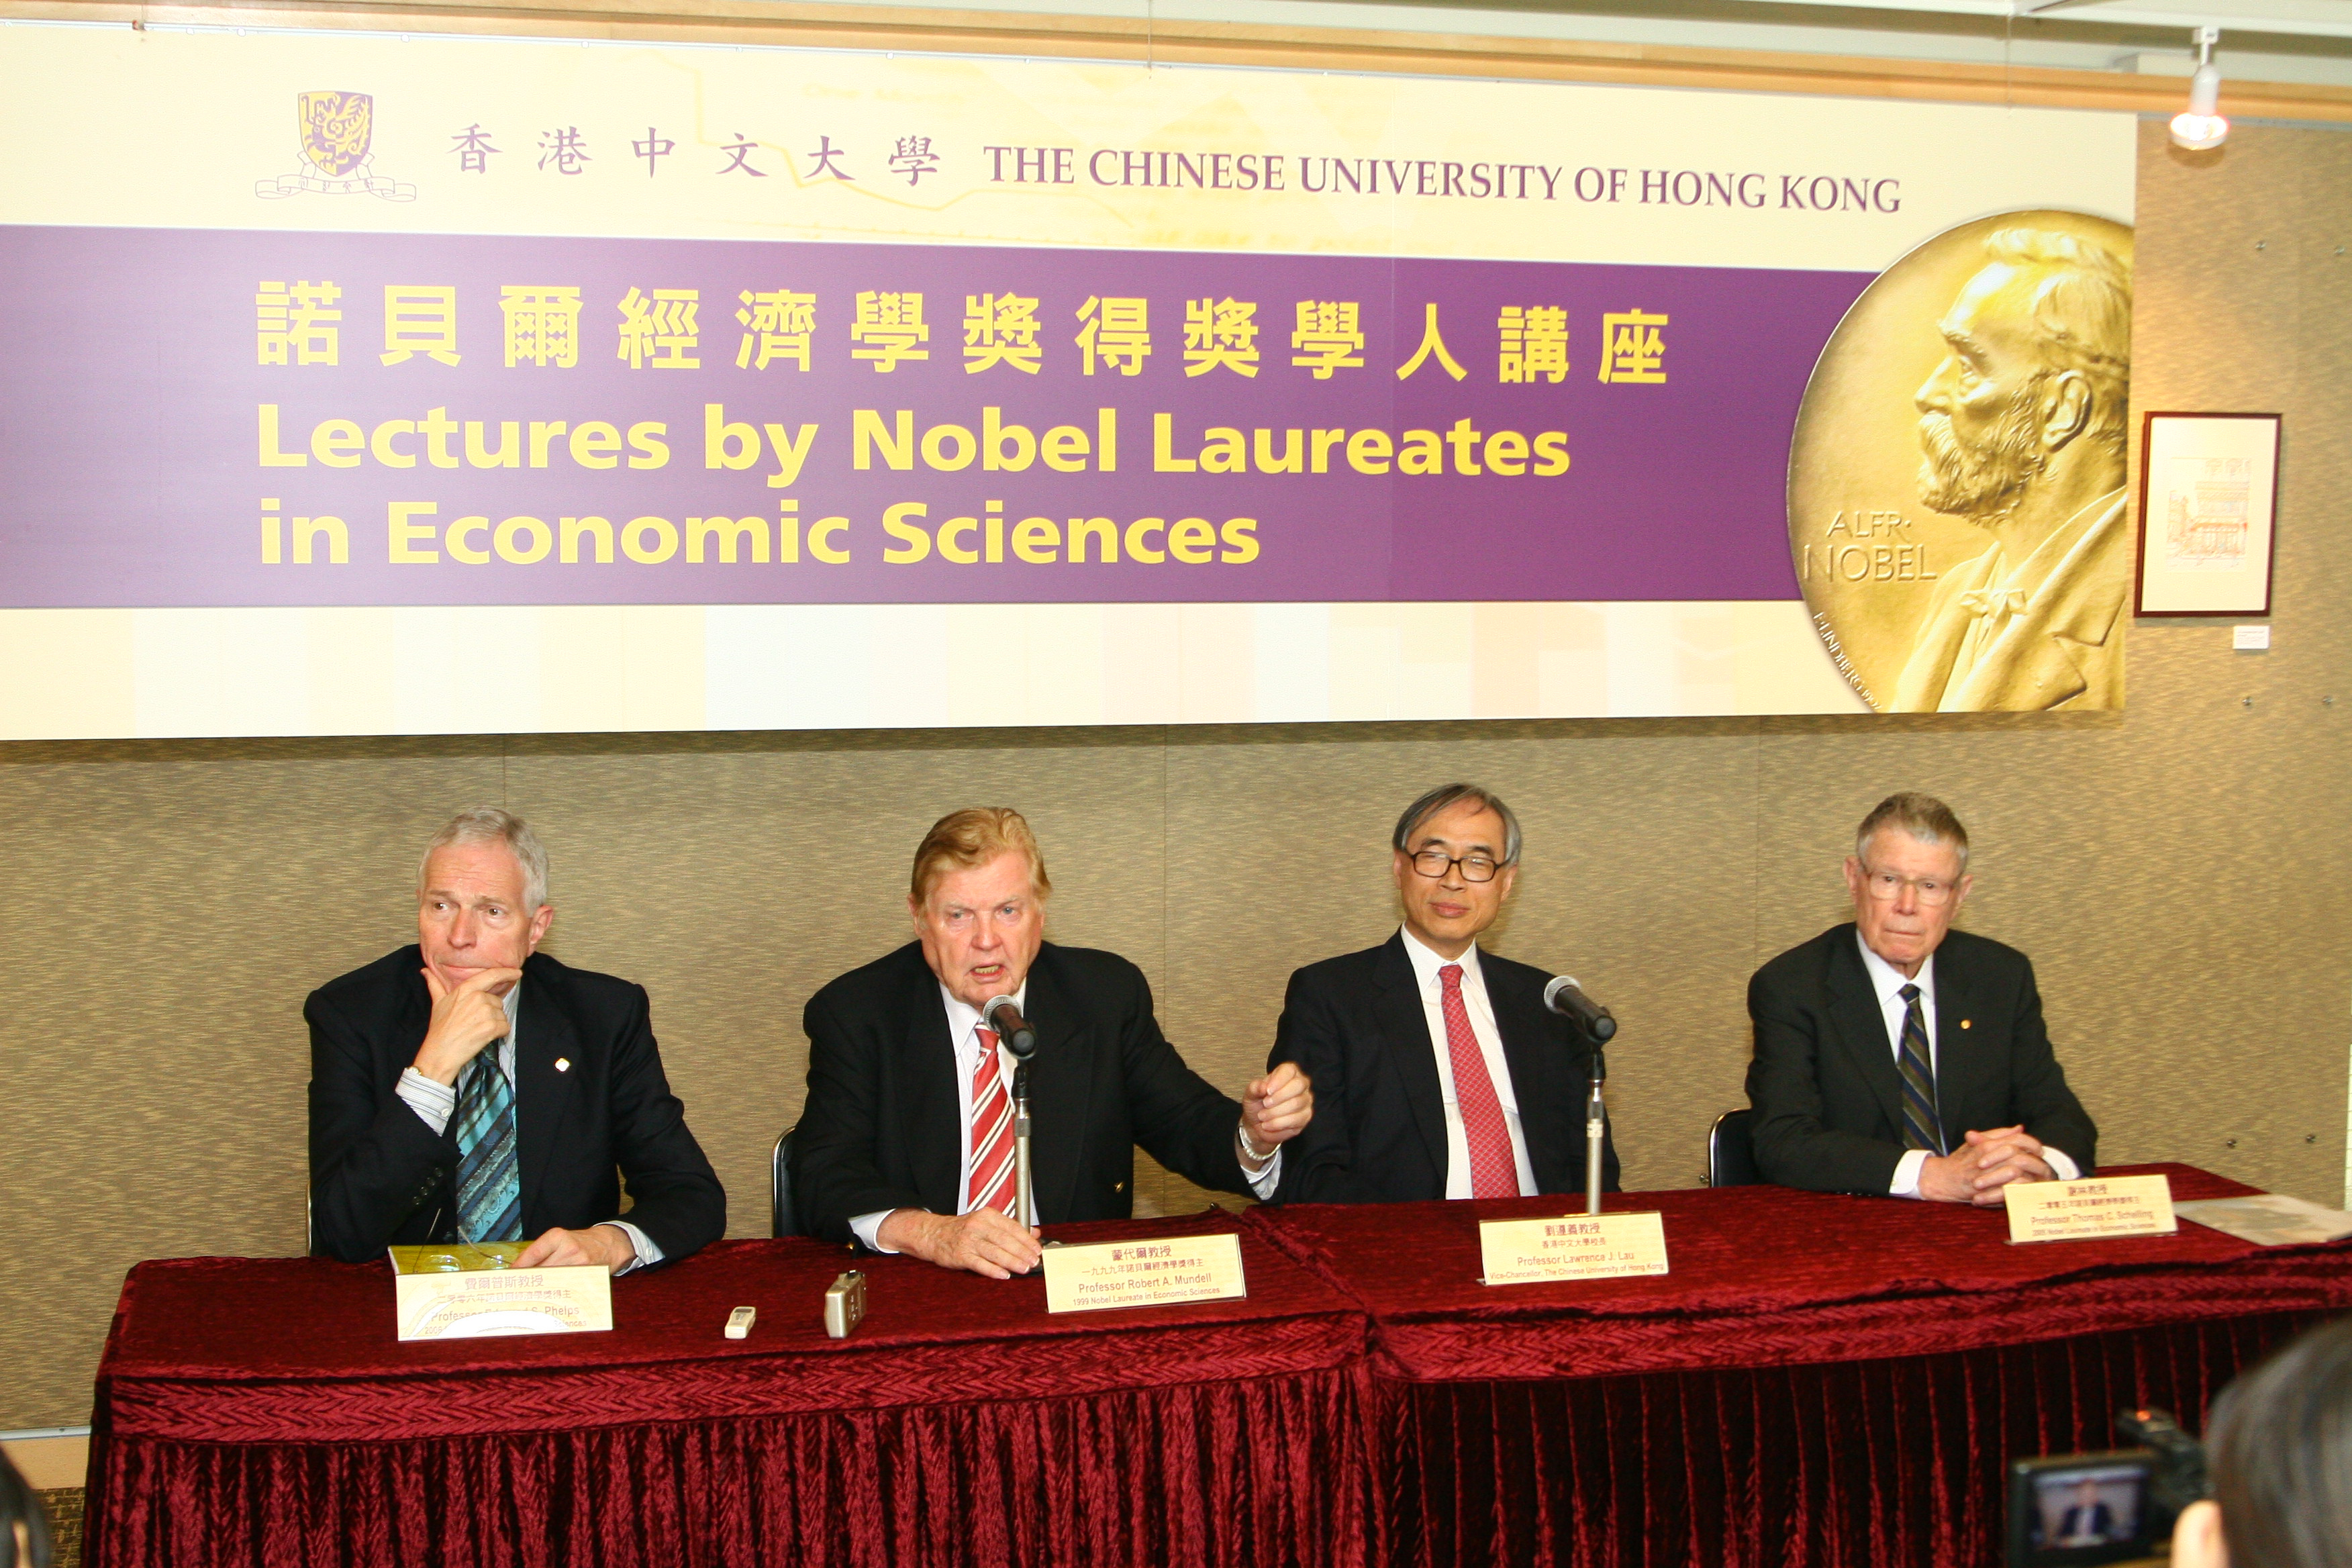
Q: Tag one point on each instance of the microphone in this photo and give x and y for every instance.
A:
(1014, 1030)
(1564, 996)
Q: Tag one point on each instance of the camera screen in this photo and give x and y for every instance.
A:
(2078, 1509)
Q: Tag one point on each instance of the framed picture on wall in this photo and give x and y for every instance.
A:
(2208, 499)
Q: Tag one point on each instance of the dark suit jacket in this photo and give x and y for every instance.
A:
(379, 1175)
(2100, 1522)
(1828, 1097)
(881, 1126)
(1356, 1026)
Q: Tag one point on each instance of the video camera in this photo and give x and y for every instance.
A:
(2080, 1509)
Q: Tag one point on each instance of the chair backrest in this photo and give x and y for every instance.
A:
(781, 1220)
(1731, 1151)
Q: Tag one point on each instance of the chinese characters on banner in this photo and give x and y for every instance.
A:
(659, 329)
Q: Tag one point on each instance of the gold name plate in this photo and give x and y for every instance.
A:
(1143, 1273)
(1578, 1247)
(461, 1293)
(2094, 1206)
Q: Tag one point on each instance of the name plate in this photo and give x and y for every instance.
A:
(1579, 1246)
(2094, 1206)
(1144, 1273)
(472, 1292)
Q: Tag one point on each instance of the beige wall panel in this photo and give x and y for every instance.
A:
(2182, 872)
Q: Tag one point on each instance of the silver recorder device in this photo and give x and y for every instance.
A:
(845, 1304)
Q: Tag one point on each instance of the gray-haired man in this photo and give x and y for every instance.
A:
(471, 1088)
(1438, 1072)
(1895, 1055)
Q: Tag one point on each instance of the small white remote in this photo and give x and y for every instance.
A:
(738, 1323)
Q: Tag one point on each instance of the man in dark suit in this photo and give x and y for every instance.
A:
(471, 1088)
(906, 1142)
(1438, 1071)
(2087, 1521)
(1895, 1055)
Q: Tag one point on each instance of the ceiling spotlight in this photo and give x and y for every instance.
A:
(2198, 128)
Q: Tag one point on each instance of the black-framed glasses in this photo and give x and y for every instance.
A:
(1887, 886)
(1435, 863)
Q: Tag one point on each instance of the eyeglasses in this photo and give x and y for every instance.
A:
(1437, 862)
(1886, 885)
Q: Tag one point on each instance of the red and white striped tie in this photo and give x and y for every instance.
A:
(990, 1187)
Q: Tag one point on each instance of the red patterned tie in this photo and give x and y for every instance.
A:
(990, 1187)
(1493, 1173)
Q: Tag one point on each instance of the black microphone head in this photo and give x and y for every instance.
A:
(1564, 996)
(1020, 1041)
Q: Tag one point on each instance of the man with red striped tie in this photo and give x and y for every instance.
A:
(906, 1141)
(1439, 1071)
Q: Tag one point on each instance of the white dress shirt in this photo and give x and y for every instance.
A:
(1425, 965)
(435, 1103)
(1889, 981)
(963, 1030)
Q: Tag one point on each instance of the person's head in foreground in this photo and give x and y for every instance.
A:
(2278, 1446)
(24, 1523)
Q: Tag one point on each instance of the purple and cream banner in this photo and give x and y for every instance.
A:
(364, 419)
(1213, 395)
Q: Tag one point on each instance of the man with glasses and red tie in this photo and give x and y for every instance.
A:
(1895, 1055)
(906, 1142)
(1438, 1071)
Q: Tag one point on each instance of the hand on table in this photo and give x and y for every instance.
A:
(465, 1019)
(981, 1242)
(1987, 1162)
(559, 1248)
(1277, 1109)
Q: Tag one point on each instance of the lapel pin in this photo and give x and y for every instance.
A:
(563, 1064)
(1964, 1024)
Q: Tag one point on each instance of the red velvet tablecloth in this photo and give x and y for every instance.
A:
(261, 1411)
(1820, 1379)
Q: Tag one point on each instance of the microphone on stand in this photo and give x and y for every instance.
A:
(1564, 996)
(1013, 1030)
(1020, 1043)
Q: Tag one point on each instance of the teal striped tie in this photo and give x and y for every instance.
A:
(489, 1182)
(1922, 1127)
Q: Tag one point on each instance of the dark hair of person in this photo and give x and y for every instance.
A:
(2279, 1445)
(21, 1505)
(1448, 795)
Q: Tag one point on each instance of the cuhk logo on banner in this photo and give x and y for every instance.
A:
(336, 129)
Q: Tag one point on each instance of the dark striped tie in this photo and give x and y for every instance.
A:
(1922, 1128)
(489, 1183)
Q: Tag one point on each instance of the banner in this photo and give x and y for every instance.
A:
(761, 387)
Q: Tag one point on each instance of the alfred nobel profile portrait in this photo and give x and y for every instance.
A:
(2023, 430)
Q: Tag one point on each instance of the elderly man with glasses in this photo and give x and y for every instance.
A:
(1438, 1072)
(1895, 1055)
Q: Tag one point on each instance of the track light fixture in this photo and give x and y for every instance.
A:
(2198, 128)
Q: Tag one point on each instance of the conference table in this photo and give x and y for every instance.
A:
(261, 1411)
(1818, 1380)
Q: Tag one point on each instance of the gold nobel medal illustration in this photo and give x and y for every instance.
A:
(1956, 505)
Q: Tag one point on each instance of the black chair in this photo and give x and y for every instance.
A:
(1731, 1151)
(781, 1220)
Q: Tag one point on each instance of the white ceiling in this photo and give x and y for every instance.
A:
(2273, 41)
